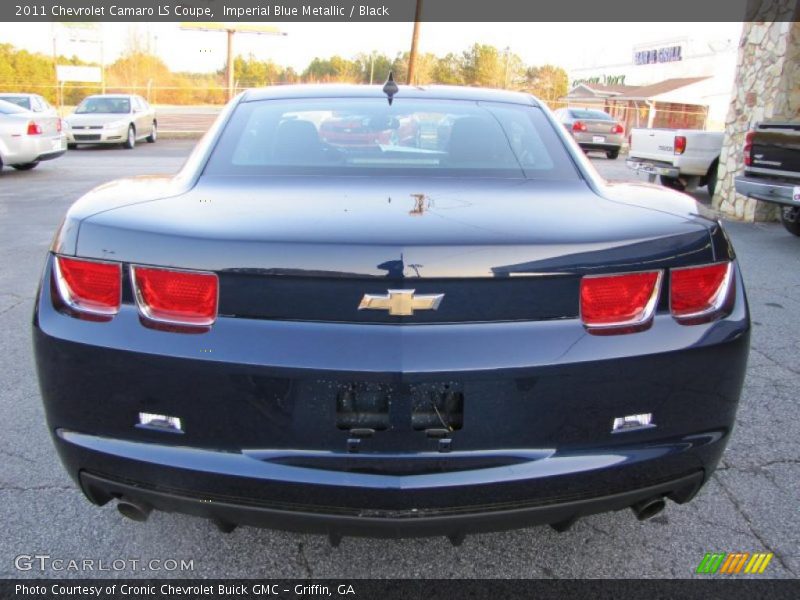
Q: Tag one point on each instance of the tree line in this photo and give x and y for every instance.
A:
(139, 70)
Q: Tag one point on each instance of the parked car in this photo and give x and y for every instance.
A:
(772, 169)
(112, 119)
(398, 342)
(593, 129)
(32, 102)
(684, 159)
(27, 138)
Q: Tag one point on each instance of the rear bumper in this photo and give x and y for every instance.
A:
(413, 524)
(777, 192)
(604, 147)
(37, 148)
(599, 141)
(652, 167)
(258, 404)
(51, 155)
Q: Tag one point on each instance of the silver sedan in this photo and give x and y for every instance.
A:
(593, 130)
(112, 119)
(26, 138)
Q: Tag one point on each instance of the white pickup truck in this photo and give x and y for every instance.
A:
(685, 159)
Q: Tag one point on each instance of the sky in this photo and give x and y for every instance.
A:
(569, 45)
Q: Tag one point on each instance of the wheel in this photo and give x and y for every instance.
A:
(151, 139)
(711, 181)
(130, 142)
(72, 146)
(612, 154)
(26, 166)
(672, 182)
(790, 217)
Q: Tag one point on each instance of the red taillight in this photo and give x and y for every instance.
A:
(617, 129)
(176, 297)
(34, 128)
(748, 148)
(89, 286)
(698, 293)
(679, 144)
(579, 126)
(619, 303)
(59, 126)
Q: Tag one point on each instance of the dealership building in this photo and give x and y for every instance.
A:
(676, 82)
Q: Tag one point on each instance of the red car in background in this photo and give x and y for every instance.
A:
(370, 130)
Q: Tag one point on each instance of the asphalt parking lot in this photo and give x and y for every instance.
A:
(751, 505)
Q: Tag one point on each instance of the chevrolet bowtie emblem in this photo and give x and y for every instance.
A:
(400, 303)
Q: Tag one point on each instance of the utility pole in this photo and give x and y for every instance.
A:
(371, 66)
(412, 57)
(508, 58)
(229, 66)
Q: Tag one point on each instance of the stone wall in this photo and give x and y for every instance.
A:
(767, 87)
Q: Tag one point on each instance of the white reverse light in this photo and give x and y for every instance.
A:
(160, 422)
(633, 422)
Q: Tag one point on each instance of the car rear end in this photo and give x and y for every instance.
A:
(772, 164)
(276, 360)
(595, 130)
(30, 137)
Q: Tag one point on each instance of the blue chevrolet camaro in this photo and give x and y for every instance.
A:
(396, 312)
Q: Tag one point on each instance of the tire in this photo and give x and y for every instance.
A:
(672, 182)
(790, 217)
(612, 154)
(72, 146)
(26, 166)
(151, 139)
(711, 179)
(130, 143)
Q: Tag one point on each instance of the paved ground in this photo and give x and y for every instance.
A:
(751, 504)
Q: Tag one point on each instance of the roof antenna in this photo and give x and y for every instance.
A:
(390, 88)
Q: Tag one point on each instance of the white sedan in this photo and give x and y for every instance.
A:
(26, 138)
(112, 119)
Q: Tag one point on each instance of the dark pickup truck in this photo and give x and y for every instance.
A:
(772, 169)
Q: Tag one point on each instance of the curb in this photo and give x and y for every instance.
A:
(180, 134)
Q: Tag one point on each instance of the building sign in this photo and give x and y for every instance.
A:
(658, 55)
(601, 80)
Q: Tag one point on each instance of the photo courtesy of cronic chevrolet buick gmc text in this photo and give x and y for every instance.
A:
(446, 324)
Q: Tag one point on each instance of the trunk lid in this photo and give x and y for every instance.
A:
(598, 125)
(309, 249)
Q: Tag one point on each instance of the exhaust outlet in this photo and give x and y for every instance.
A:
(134, 510)
(647, 509)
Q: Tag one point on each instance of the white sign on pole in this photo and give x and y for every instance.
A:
(79, 74)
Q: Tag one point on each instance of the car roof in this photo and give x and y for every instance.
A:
(439, 92)
(111, 96)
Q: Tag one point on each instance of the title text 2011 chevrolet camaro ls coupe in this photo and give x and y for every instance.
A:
(413, 336)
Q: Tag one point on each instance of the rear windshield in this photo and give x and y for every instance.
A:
(367, 136)
(590, 114)
(21, 101)
(7, 108)
(104, 105)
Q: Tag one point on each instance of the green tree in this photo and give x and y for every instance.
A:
(547, 82)
(334, 68)
(448, 70)
(378, 65)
